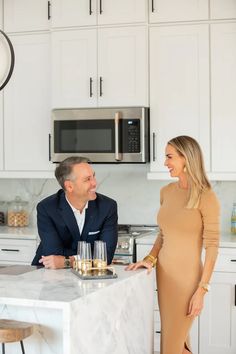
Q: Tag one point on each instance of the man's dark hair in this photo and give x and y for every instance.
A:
(63, 171)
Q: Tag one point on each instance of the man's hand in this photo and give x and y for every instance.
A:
(52, 262)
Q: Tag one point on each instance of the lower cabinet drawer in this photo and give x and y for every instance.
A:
(17, 251)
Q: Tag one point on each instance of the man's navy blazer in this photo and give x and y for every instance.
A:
(59, 232)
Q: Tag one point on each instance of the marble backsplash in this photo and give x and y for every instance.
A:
(137, 197)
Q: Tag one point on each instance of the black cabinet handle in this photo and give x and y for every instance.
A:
(90, 87)
(90, 7)
(9, 250)
(153, 9)
(49, 147)
(159, 332)
(233, 260)
(100, 5)
(153, 146)
(100, 86)
(49, 10)
(235, 295)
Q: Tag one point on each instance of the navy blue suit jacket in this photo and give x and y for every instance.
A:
(59, 232)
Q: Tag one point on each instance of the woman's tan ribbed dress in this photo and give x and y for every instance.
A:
(183, 233)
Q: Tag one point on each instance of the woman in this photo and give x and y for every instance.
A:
(188, 219)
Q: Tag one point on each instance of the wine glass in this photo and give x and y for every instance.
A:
(79, 255)
(86, 257)
(100, 254)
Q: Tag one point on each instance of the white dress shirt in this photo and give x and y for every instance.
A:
(80, 217)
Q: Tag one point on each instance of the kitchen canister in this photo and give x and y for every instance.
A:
(18, 214)
(233, 220)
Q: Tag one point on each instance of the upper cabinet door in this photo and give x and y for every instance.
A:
(67, 13)
(74, 68)
(27, 105)
(181, 10)
(122, 66)
(223, 96)
(179, 88)
(26, 15)
(222, 9)
(122, 11)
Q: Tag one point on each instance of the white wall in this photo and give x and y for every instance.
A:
(137, 197)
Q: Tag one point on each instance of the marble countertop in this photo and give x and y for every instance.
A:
(54, 288)
(226, 240)
(26, 233)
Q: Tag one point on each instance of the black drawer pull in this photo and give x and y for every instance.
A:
(233, 260)
(158, 332)
(235, 295)
(153, 9)
(9, 250)
(49, 10)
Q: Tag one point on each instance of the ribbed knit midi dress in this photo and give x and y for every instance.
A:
(183, 234)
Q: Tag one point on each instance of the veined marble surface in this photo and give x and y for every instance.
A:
(74, 316)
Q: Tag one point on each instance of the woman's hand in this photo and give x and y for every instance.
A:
(196, 303)
(140, 264)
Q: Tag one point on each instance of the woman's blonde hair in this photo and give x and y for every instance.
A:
(194, 166)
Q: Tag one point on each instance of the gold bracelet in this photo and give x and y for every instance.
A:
(204, 286)
(152, 259)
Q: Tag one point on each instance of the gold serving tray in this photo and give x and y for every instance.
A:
(96, 273)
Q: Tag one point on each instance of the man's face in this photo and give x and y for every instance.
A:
(83, 183)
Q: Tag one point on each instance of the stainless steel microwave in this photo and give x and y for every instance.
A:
(103, 135)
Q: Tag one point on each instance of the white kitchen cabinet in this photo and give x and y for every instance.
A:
(142, 251)
(179, 88)
(181, 10)
(17, 251)
(118, 76)
(26, 15)
(27, 105)
(67, 13)
(74, 68)
(123, 66)
(218, 319)
(222, 9)
(223, 96)
(122, 11)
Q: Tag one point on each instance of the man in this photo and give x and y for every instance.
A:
(75, 213)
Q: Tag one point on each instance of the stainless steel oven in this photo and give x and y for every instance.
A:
(103, 135)
(126, 246)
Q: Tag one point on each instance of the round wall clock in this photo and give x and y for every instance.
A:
(7, 60)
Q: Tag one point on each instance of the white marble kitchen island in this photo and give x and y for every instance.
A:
(113, 316)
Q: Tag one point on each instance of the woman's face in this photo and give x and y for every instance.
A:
(174, 162)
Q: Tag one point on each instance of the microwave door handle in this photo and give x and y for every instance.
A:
(117, 148)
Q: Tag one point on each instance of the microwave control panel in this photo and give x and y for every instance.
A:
(131, 136)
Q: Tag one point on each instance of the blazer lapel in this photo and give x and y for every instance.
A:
(91, 212)
(69, 218)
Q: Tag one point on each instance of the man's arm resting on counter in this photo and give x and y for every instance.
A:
(53, 251)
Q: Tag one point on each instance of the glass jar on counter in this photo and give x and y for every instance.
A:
(233, 220)
(3, 212)
(18, 214)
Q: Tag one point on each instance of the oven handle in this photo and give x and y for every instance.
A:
(117, 147)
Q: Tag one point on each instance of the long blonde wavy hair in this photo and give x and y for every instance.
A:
(194, 166)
